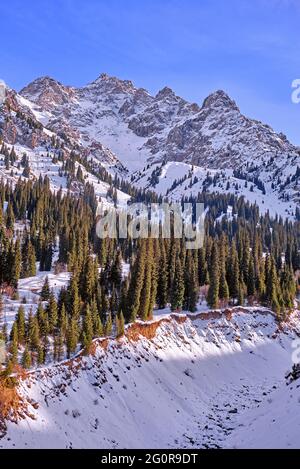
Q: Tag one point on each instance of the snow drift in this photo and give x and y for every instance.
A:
(199, 381)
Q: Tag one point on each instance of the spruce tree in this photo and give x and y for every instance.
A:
(45, 293)
(272, 285)
(89, 280)
(40, 356)
(114, 300)
(60, 347)
(72, 337)
(17, 264)
(177, 293)
(202, 268)
(136, 284)
(120, 324)
(14, 343)
(241, 293)
(97, 324)
(154, 278)
(10, 217)
(52, 313)
(63, 321)
(34, 334)
(87, 330)
(288, 287)
(124, 296)
(21, 325)
(214, 276)
(233, 273)
(116, 270)
(145, 297)
(26, 358)
(162, 281)
(75, 299)
(191, 284)
(251, 278)
(31, 270)
(42, 320)
(223, 285)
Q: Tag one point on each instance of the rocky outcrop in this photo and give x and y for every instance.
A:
(126, 119)
(125, 127)
(48, 93)
(19, 125)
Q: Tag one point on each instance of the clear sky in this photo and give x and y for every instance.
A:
(249, 48)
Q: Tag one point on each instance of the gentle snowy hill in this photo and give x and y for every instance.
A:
(197, 381)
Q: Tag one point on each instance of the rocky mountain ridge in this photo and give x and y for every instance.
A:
(138, 135)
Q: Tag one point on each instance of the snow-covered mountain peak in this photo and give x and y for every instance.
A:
(48, 93)
(110, 84)
(166, 92)
(220, 100)
(42, 81)
(120, 124)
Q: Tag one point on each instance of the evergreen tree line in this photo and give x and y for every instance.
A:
(248, 257)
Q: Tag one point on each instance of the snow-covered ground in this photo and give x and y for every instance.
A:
(196, 382)
(29, 290)
(40, 163)
(275, 423)
(186, 175)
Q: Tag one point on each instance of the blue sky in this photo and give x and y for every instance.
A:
(249, 48)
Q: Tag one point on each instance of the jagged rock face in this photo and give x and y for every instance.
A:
(139, 128)
(18, 124)
(219, 101)
(48, 93)
(160, 113)
(132, 132)
(219, 136)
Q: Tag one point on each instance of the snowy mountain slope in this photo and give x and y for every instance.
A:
(26, 123)
(176, 180)
(111, 112)
(41, 164)
(162, 142)
(48, 94)
(277, 419)
(19, 123)
(162, 127)
(143, 131)
(181, 382)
